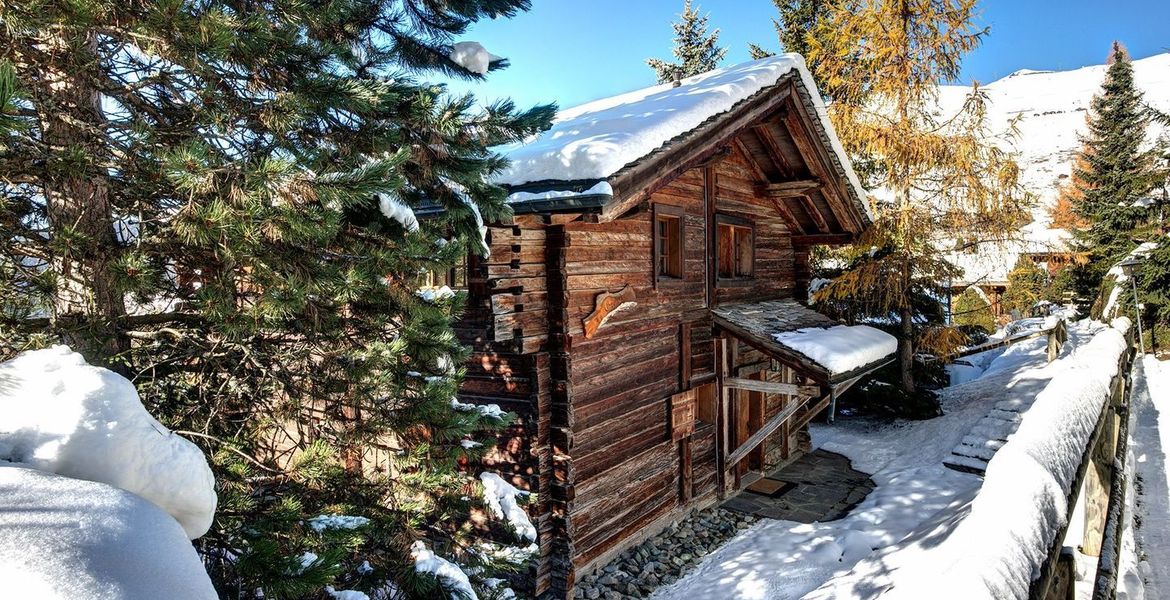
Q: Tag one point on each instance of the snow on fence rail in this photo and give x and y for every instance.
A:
(1007, 545)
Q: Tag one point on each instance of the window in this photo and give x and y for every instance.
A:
(668, 242)
(736, 256)
(455, 278)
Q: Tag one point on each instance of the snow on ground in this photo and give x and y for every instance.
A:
(1150, 442)
(842, 348)
(916, 505)
(61, 415)
(69, 539)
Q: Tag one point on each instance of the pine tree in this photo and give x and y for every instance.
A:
(1064, 212)
(214, 199)
(697, 50)
(1114, 171)
(1027, 285)
(941, 179)
(798, 20)
(972, 309)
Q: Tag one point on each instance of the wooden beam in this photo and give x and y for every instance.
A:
(790, 220)
(770, 387)
(790, 189)
(819, 165)
(756, 438)
(771, 147)
(823, 238)
(806, 203)
(755, 166)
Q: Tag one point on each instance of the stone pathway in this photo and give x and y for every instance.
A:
(824, 487)
(664, 558)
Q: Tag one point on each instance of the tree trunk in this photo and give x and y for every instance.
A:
(86, 301)
(906, 349)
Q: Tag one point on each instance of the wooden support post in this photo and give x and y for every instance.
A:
(1098, 480)
(758, 437)
(720, 414)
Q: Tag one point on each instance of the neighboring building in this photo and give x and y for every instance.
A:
(639, 311)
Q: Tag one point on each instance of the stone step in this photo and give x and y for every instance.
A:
(981, 442)
(994, 429)
(974, 452)
(966, 464)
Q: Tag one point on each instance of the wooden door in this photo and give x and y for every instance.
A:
(748, 412)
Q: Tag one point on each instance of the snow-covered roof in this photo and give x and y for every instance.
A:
(786, 327)
(593, 142)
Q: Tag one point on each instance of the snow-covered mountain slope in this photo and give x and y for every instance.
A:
(1050, 109)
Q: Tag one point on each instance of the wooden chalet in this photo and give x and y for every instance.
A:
(628, 313)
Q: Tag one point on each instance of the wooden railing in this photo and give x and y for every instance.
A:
(1057, 335)
(1105, 583)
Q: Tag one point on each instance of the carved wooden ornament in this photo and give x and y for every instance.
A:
(606, 305)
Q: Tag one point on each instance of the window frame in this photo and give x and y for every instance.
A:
(722, 220)
(677, 214)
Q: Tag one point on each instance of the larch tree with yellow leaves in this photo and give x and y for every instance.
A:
(938, 181)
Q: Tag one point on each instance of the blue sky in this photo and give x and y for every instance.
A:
(572, 51)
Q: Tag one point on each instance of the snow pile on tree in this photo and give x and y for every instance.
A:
(61, 415)
(69, 539)
(501, 499)
(472, 56)
(453, 579)
(997, 550)
(842, 348)
(72, 435)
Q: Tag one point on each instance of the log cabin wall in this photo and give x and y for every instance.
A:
(629, 476)
(506, 324)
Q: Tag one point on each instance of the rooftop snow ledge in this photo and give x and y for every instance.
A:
(594, 141)
(842, 348)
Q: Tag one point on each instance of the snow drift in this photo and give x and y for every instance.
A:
(997, 550)
(68, 539)
(61, 415)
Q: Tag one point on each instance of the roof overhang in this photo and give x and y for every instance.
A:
(789, 100)
(758, 323)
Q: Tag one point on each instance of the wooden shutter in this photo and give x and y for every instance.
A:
(682, 415)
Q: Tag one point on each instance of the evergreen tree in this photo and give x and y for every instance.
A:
(941, 179)
(1114, 171)
(1027, 285)
(214, 199)
(798, 20)
(971, 309)
(697, 50)
(1154, 294)
(1064, 212)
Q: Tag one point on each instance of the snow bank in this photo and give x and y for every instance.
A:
(595, 140)
(450, 576)
(61, 415)
(842, 348)
(68, 539)
(501, 499)
(998, 548)
(472, 56)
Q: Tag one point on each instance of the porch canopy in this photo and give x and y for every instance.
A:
(818, 347)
